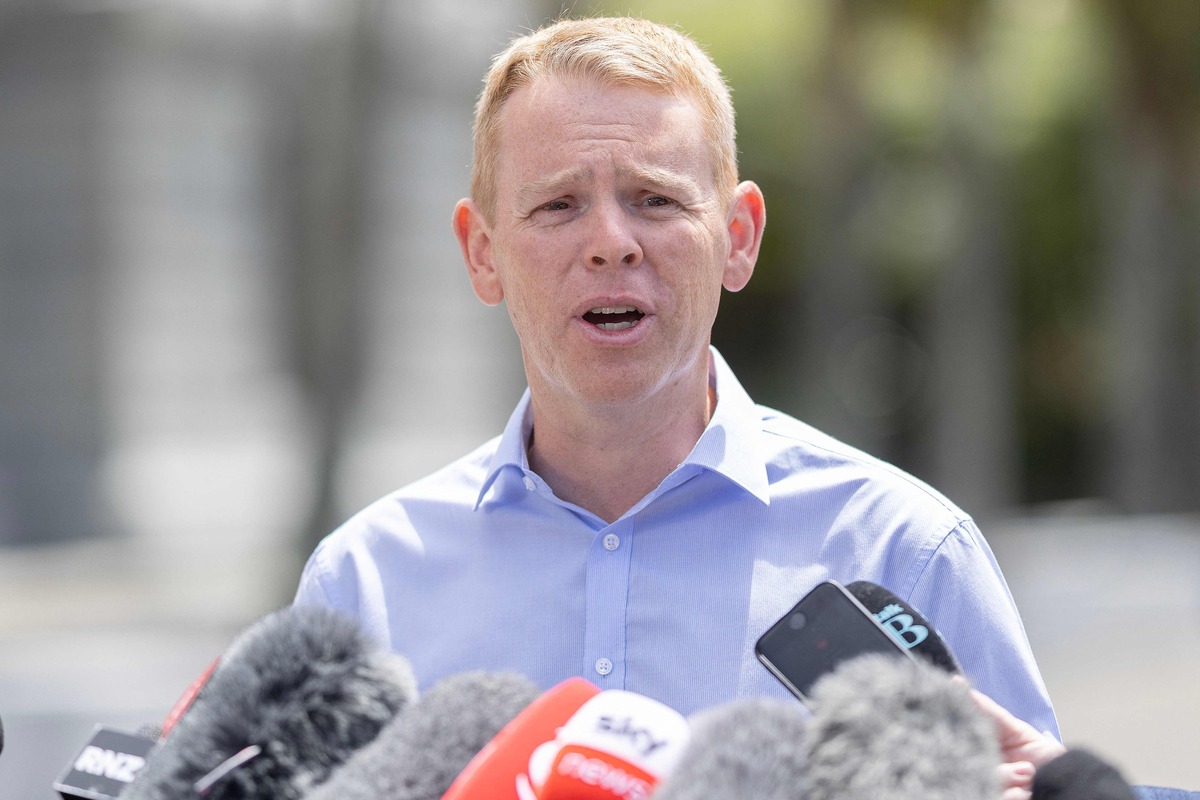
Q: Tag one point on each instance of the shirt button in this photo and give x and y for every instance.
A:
(529, 484)
(604, 666)
(612, 542)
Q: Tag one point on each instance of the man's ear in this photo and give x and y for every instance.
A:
(747, 217)
(475, 240)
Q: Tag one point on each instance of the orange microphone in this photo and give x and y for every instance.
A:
(617, 746)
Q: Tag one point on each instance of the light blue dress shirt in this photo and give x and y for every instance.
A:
(480, 566)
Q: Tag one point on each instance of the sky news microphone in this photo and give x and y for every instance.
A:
(906, 623)
(420, 752)
(295, 695)
(500, 771)
(894, 729)
(751, 749)
(617, 746)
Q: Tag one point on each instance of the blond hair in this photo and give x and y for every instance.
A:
(616, 51)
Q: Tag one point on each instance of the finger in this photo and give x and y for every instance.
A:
(1016, 774)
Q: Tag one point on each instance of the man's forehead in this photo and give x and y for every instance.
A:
(583, 85)
(587, 109)
(582, 98)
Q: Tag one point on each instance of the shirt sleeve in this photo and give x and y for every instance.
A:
(312, 590)
(963, 593)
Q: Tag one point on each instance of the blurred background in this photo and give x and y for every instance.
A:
(232, 312)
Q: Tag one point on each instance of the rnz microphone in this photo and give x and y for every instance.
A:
(617, 746)
(905, 623)
(500, 771)
(108, 763)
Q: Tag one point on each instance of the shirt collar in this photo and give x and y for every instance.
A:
(511, 450)
(729, 445)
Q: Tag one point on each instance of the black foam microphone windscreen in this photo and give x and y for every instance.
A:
(906, 623)
(420, 753)
(894, 729)
(1080, 775)
(742, 749)
(296, 694)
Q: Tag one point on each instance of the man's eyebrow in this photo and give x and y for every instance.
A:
(670, 181)
(535, 190)
(673, 182)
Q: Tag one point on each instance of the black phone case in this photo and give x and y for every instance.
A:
(828, 626)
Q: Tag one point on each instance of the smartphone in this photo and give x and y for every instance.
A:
(828, 626)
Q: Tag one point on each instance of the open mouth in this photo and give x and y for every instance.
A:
(613, 318)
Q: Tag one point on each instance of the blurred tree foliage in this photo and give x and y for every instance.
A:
(982, 219)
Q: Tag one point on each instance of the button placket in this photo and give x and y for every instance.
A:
(608, 565)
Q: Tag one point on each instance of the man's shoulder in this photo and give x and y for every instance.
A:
(795, 451)
(454, 488)
(456, 482)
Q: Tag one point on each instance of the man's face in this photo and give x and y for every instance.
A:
(609, 241)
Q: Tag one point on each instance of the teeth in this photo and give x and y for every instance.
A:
(614, 310)
(614, 326)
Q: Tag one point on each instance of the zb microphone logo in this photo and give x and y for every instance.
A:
(902, 626)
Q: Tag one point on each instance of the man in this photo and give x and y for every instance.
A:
(641, 521)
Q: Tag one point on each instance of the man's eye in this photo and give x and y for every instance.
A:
(555, 205)
(657, 201)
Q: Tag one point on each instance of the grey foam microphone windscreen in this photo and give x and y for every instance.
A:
(743, 749)
(420, 753)
(303, 687)
(895, 729)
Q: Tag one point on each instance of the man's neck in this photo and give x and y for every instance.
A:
(608, 460)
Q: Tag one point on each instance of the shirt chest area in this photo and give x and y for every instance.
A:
(669, 612)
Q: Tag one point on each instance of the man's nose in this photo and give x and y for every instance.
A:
(612, 241)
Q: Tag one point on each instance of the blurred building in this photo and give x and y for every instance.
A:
(231, 310)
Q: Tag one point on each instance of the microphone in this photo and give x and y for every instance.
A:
(1080, 775)
(187, 699)
(751, 748)
(420, 752)
(296, 694)
(106, 765)
(893, 729)
(907, 624)
(500, 771)
(617, 746)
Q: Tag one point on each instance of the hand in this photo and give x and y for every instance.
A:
(1022, 747)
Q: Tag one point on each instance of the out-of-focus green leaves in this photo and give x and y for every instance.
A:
(905, 69)
(1045, 63)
